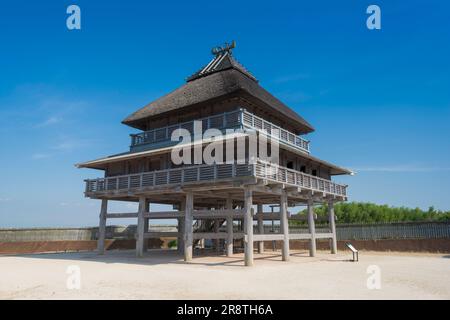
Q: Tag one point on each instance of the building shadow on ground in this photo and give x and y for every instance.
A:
(163, 256)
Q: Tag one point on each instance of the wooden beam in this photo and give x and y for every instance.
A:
(181, 222)
(168, 234)
(140, 228)
(268, 237)
(122, 215)
(260, 219)
(299, 236)
(164, 214)
(229, 206)
(248, 227)
(214, 214)
(327, 235)
(312, 228)
(146, 224)
(217, 224)
(188, 227)
(332, 222)
(284, 225)
(238, 235)
(102, 227)
(210, 235)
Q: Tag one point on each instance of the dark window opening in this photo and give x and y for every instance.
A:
(303, 168)
(290, 165)
(314, 172)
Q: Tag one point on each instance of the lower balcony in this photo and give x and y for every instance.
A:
(260, 173)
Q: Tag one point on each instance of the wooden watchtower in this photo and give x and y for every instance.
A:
(210, 197)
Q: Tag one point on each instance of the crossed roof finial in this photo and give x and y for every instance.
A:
(226, 48)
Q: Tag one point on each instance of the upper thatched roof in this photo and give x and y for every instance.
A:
(222, 61)
(222, 77)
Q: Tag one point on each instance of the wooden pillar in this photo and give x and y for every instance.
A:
(146, 225)
(140, 228)
(260, 227)
(284, 224)
(312, 228)
(229, 206)
(102, 227)
(216, 230)
(188, 227)
(332, 222)
(180, 239)
(248, 227)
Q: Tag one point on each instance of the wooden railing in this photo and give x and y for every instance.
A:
(227, 120)
(273, 172)
(255, 122)
(178, 176)
(235, 119)
(212, 173)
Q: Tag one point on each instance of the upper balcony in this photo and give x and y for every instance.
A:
(240, 118)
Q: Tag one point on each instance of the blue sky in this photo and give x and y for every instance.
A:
(379, 100)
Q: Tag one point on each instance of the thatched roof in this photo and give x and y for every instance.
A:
(223, 77)
(220, 62)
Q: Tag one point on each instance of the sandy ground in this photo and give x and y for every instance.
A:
(164, 275)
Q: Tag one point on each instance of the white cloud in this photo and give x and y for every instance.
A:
(39, 156)
(5, 199)
(50, 121)
(70, 144)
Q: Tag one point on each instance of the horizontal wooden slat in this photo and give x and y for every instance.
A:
(218, 213)
(122, 215)
(324, 235)
(299, 236)
(210, 235)
(148, 235)
(164, 214)
(267, 237)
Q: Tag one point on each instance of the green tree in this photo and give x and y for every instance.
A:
(365, 212)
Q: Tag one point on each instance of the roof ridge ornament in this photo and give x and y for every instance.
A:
(227, 47)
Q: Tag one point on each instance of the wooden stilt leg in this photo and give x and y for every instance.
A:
(260, 227)
(216, 230)
(181, 221)
(102, 227)
(146, 225)
(284, 225)
(312, 228)
(332, 222)
(188, 227)
(248, 227)
(229, 229)
(140, 228)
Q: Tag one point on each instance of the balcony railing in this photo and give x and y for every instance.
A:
(273, 172)
(229, 120)
(255, 122)
(212, 173)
